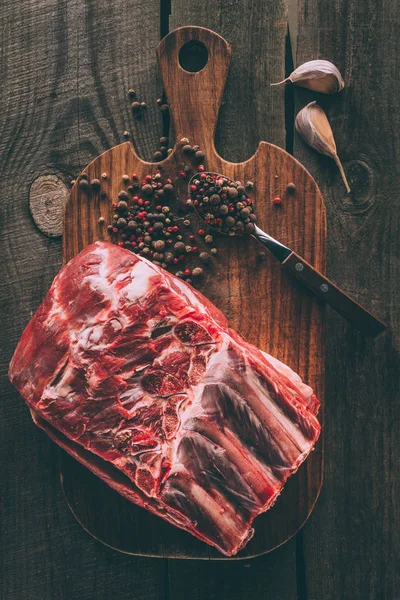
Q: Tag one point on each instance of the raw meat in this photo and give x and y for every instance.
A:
(126, 365)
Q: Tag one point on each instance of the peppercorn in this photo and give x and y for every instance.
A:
(179, 237)
(163, 150)
(110, 228)
(249, 185)
(214, 251)
(165, 209)
(291, 188)
(240, 225)
(84, 184)
(158, 155)
(229, 221)
(159, 101)
(123, 195)
(209, 239)
(232, 192)
(95, 183)
(132, 225)
(164, 108)
(146, 250)
(126, 134)
(189, 203)
(245, 212)
(104, 175)
(179, 247)
(163, 141)
(158, 226)
(101, 220)
(122, 206)
(168, 257)
(184, 141)
(136, 107)
(159, 245)
(215, 199)
(169, 151)
(125, 178)
(147, 189)
(196, 148)
(197, 272)
(147, 240)
(143, 105)
(180, 274)
(132, 93)
(188, 272)
(121, 223)
(199, 155)
(187, 149)
(188, 248)
(223, 209)
(186, 222)
(201, 232)
(249, 228)
(168, 188)
(277, 200)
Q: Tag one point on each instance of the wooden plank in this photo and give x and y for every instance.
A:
(351, 543)
(65, 70)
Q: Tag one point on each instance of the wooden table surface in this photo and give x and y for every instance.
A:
(66, 66)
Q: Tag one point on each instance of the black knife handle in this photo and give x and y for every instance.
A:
(333, 295)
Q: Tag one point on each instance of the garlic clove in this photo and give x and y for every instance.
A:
(318, 75)
(313, 126)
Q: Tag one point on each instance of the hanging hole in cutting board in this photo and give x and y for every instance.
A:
(193, 56)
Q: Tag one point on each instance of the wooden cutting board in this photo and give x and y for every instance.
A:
(265, 305)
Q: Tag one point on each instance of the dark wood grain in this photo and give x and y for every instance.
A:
(56, 116)
(65, 69)
(351, 545)
(242, 287)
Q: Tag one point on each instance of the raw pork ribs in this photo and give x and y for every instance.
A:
(130, 363)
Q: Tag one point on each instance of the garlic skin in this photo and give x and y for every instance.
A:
(319, 75)
(313, 126)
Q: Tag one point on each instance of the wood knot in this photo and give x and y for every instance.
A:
(47, 197)
(362, 183)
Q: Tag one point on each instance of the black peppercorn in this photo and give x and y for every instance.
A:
(215, 199)
(249, 227)
(168, 188)
(163, 141)
(158, 226)
(147, 189)
(204, 257)
(121, 223)
(164, 108)
(158, 155)
(200, 155)
(95, 183)
(132, 225)
(122, 206)
(159, 245)
(187, 149)
(291, 188)
(143, 105)
(132, 93)
(179, 247)
(180, 274)
(84, 184)
(136, 107)
(110, 228)
(123, 195)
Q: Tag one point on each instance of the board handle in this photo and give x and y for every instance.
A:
(194, 63)
(325, 289)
